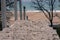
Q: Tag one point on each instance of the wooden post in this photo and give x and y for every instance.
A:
(15, 8)
(20, 5)
(24, 14)
(3, 11)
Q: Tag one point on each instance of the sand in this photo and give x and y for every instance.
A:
(34, 16)
(35, 28)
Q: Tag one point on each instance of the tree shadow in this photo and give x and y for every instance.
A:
(0, 26)
(57, 28)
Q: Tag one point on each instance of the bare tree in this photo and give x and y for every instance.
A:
(46, 6)
(20, 5)
(24, 9)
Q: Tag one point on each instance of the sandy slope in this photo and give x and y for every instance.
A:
(36, 28)
(36, 16)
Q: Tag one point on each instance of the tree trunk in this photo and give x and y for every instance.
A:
(20, 5)
(15, 10)
(24, 9)
(51, 23)
(0, 25)
(3, 12)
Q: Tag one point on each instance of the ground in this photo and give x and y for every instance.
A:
(35, 28)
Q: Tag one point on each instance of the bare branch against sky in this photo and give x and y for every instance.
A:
(42, 4)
